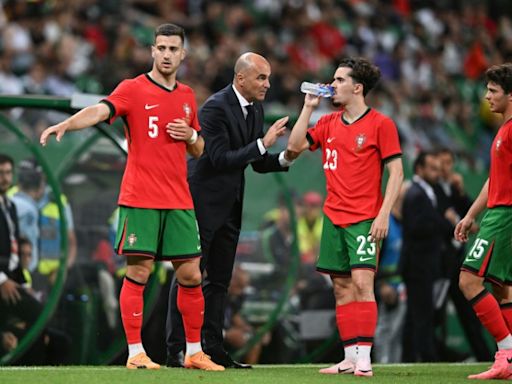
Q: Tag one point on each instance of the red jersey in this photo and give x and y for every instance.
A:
(500, 174)
(156, 169)
(353, 156)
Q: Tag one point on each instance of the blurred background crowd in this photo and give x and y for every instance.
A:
(432, 56)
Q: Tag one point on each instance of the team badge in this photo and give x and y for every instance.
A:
(132, 239)
(360, 140)
(188, 111)
(498, 144)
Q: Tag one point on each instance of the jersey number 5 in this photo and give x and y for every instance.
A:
(152, 126)
(331, 159)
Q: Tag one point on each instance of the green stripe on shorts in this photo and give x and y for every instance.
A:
(490, 254)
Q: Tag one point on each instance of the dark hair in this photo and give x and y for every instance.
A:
(23, 241)
(445, 150)
(420, 160)
(30, 175)
(6, 159)
(169, 29)
(501, 75)
(363, 72)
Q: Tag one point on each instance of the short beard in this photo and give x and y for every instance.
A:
(165, 72)
(336, 104)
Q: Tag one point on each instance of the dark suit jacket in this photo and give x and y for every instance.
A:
(452, 257)
(217, 178)
(424, 230)
(5, 244)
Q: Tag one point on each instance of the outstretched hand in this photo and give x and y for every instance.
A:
(58, 130)
(276, 130)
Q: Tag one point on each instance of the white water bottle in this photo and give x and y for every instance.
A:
(317, 89)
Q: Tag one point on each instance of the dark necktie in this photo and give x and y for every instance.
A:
(250, 119)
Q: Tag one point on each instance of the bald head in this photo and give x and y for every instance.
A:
(249, 60)
(252, 72)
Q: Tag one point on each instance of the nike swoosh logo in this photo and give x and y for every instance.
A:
(365, 258)
(137, 314)
(343, 370)
(330, 140)
(147, 106)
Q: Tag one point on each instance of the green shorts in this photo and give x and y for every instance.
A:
(490, 255)
(344, 249)
(163, 234)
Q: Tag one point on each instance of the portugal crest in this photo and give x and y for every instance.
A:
(188, 112)
(360, 141)
(498, 144)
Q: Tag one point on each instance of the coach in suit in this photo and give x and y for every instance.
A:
(424, 229)
(450, 193)
(232, 127)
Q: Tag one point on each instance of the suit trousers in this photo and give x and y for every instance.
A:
(218, 257)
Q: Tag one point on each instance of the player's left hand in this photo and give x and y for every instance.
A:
(179, 130)
(379, 228)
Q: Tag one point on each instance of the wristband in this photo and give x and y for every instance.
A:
(193, 139)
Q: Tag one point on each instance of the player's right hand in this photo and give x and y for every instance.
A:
(462, 229)
(58, 130)
(276, 130)
(311, 100)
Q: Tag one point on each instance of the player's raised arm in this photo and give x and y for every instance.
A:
(297, 143)
(87, 117)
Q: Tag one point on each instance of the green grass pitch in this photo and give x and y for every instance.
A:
(262, 374)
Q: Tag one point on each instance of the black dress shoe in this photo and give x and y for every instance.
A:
(175, 360)
(222, 358)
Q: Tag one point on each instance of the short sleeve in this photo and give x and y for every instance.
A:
(119, 100)
(194, 123)
(315, 135)
(389, 142)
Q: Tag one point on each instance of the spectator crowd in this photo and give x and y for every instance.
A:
(431, 54)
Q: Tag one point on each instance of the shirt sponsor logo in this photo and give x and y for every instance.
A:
(148, 106)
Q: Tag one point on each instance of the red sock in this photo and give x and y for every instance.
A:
(488, 311)
(131, 303)
(367, 319)
(347, 326)
(506, 312)
(191, 306)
